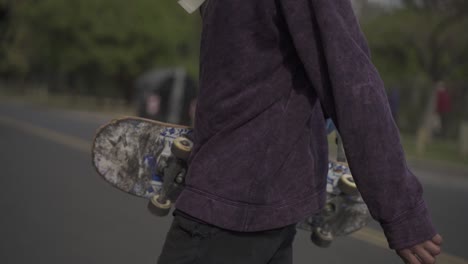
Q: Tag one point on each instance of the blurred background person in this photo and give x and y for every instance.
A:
(443, 108)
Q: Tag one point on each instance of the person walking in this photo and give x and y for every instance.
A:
(270, 74)
(443, 108)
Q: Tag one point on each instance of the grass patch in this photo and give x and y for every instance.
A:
(438, 150)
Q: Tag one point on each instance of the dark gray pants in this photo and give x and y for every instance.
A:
(193, 242)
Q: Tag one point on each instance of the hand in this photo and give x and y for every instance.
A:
(424, 253)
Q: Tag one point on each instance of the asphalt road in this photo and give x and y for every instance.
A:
(54, 208)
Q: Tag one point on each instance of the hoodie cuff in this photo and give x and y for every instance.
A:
(410, 229)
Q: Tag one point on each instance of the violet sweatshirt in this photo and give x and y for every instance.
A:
(269, 72)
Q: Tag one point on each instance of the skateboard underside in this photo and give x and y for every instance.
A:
(352, 215)
(344, 212)
(126, 153)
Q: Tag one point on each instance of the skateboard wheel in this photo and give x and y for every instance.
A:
(158, 208)
(321, 238)
(329, 209)
(182, 147)
(180, 178)
(347, 185)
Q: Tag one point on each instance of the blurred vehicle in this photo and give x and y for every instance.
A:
(167, 95)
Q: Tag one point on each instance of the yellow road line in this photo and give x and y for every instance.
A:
(57, 137)
(371, 236)
(368, 235)
(378, 239)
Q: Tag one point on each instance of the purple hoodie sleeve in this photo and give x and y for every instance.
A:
(336, 57)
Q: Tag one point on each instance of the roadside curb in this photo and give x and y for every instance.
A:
(90, 115)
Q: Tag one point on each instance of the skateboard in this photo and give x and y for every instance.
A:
(148, 159)
(144, 158)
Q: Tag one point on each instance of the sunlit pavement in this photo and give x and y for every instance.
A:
(55, 208)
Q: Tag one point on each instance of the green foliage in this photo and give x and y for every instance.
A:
(90, 38)
(113, 35)
(416, 47)
(427, 44)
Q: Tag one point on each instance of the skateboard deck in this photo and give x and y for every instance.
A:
(136, 155)
(147, 159)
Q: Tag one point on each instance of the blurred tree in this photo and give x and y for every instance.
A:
(407, 42)
(83, 42)
(5, 11)
(425, 41)
(12, 58)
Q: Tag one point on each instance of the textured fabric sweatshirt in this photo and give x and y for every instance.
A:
(270, 70)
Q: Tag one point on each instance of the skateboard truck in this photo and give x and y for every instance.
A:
(322, 235)
(174, 170)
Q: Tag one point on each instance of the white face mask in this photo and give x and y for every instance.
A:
(191, 5)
